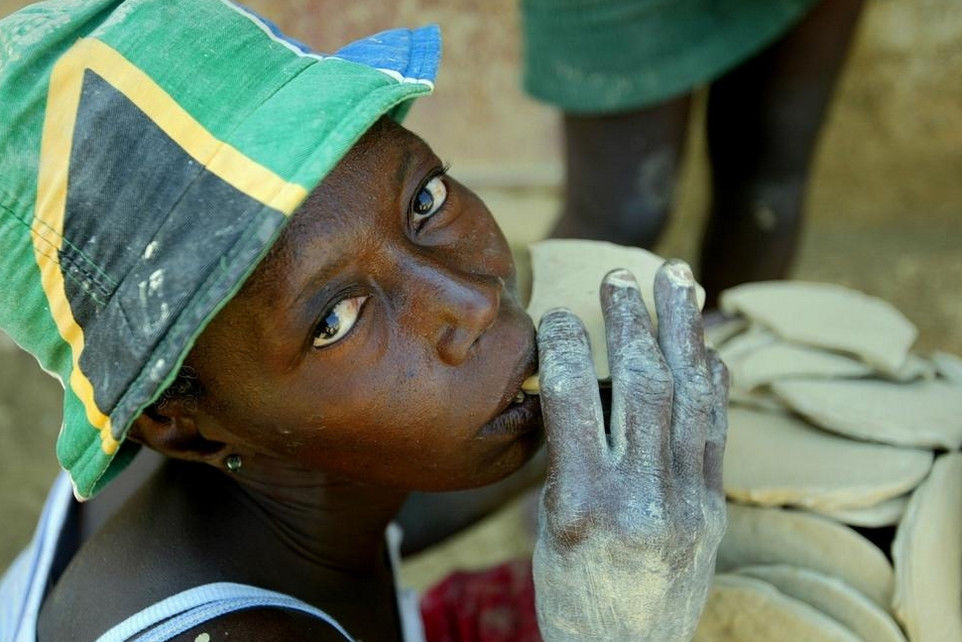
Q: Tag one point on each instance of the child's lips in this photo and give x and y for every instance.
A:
(516, 419)
(517, 411)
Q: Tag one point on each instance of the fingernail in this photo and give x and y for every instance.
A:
(680, 273)
(557, 317)
(621, 277)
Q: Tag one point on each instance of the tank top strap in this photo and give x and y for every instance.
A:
(24, 585)
(195, 606)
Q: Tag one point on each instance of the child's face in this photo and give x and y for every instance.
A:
(378, 339)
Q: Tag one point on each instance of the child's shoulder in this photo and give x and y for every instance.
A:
(144, 555)
(123, 568)
(137, 544)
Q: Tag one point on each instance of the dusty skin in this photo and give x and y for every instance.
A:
(630, 521)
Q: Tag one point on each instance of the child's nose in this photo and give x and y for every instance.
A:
(465, 306)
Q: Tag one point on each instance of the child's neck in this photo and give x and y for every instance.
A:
(328, 523)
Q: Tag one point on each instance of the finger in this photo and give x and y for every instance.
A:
(681, 337)
(570, 402)
(640, 378)
(718, 426)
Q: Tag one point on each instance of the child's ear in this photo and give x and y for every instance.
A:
(171, 429)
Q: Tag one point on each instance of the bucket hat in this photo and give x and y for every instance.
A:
(151, 151)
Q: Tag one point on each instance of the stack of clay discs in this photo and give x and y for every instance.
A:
(842, 470)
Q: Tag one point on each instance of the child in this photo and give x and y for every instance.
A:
(231, 253)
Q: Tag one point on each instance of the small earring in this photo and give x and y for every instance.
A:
(233, 462)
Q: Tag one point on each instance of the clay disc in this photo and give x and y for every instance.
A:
(782, 360)
(928, 556)
(779, 536)
(831, 596)
(822, 470)
(757, 399)
(827, 316)
(718, 333)
(743, 609)
(948, 366)
(914, 367)
(741, 345)
(568, 273)
(887, 513)
(926, 414)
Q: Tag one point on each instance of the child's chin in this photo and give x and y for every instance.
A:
(518, 452)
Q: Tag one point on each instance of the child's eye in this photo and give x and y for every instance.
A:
(338, 321)
(429, 200)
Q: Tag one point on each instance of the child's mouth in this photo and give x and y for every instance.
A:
(521, 416)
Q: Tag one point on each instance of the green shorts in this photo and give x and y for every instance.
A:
(600, 56)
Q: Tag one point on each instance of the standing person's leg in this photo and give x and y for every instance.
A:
(763, 121)
(620, 172)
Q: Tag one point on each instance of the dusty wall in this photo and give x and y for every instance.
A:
(892, 147)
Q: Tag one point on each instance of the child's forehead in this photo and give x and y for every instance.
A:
(385, 143)
(375, 169)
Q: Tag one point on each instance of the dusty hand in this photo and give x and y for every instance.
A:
(630, 518)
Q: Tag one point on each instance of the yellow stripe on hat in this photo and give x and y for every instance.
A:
(218, 157)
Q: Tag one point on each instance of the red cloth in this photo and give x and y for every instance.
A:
(496, 605)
